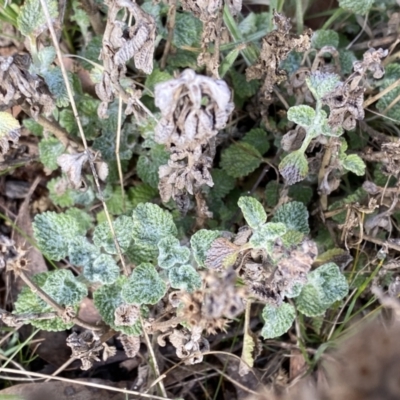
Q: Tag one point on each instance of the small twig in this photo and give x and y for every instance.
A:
(117, 148)
(153, 359)
(170, 27)
(326, 159)
(381, 42)
(372, 99)
(381, 242)
(82, 134)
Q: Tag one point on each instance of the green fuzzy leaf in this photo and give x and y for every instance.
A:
(182, 59)
(148, 165)
(346, 58)
(322, 83)
(141, 193)
(33, 126)
(301, 115)
(157, 76)
(356, 6)
(355, 164)
(278, 320)
(301, 192)
(201, 242)
(184, 278)
(81, 252)
(171, 252)
(253, 211)
(81, 18)
(102, 269)
(325, 286)
(241, 87)
(56, 84)
(392, 73)
(323, 37)
(272, 191)
(63, 287)
(292, 238)
(294, 290)
(49, 150)
(53, 233)
(31, 19)
(294, 215)
(92, 52)
(144, 286)
(83, 218)
(107, 299)
(223, 183)
(187, 30)
(123, 228)
(267, 234)
(138, 254)
(151, 224)
(240, 159)
(45, 58)
(257, 137)
(294, 167)
(9, 130)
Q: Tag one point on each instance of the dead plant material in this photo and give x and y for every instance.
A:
(131, 344)
(126, 314)
(18, 86)
(346, 100)
(193, 108)
(276, 46)
(120, 44)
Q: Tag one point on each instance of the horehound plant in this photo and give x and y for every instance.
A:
(147, 269)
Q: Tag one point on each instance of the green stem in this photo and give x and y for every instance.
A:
(333, 18)
(299, 16)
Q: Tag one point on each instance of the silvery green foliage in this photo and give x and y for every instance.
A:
(31, 19)
(184, 277)
(49, 150)
(102, 269)
(356, 6)
(265, 236)
(54, 232)
(107, 299)
(55, 81)
(325, 285)
(144, 286)
(83, 218)
(151, 224)
(171, 252)
(253, 211)
(302, 115)
(81, 252)
(294, 291)
(355, 164)
(201, 242)
(324, 37)
(60, 285)
(123, 228)
(321, 83)
(294, 215)
(278, 320)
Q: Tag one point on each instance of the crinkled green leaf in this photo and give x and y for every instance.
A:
(267, 234)
(355, 164)
(240, 159)
(201, 242)
(187, 30)
(49, 150)
(138, 254)
(171, 252)
(253, 211)
(322, 83)
(83, 218)
(301, 192)
(144, 286)
(392, 73)
(242, 88)
(157, 76)
(45, 58)
(123, 228)
(29, 302)
(325, 286)
(82, 19)
(141, 193)
(272, 193)
(301, 115)
(292, 238)
(347, 58)
(81, 252)
(53, 232)
(31, 19)
(278, 320)
(184, 277)
(148, 165)
(356, 6)
(294, 215)
(102, 269)
(151, 224)
(294, 167)
(223, 183)
(324, 37)
(56, 84)
(107, 299)
(293, 291)
(92, 52)
(33, 126)
(182, 59)
(257, 137)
